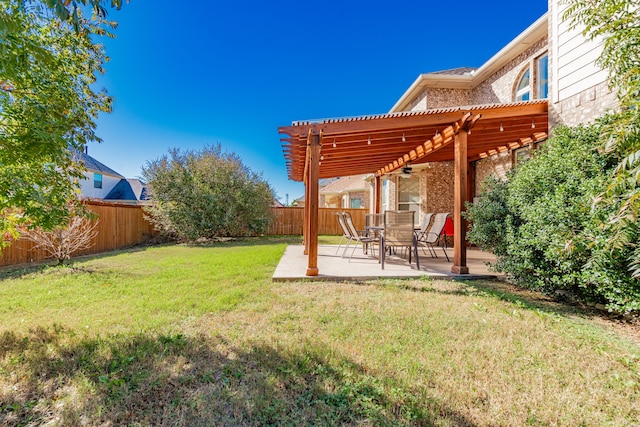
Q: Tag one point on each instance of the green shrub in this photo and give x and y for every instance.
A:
(545, 229)
(207, 193)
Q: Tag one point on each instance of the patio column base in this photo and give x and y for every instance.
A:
(312, 271)
(460, 269)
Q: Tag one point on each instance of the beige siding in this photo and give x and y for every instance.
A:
(575, 68)
(578, 87)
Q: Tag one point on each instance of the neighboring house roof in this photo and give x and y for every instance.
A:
(93, 165)
(277, 204)
(129, 189)
(326, 181)
(458, 79)
(346, 184)
(322, 183)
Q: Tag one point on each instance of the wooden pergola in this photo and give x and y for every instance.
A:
(381, 144)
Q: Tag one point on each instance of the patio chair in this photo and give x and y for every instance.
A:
(426, 221)
(430, 238)
(358, 236)
(399, 232)
(346, 233)
(374, 224)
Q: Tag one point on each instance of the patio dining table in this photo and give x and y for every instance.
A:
(379, 231)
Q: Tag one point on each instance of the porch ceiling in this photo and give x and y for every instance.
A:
(416, 137)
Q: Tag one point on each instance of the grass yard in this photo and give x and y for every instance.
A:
(178, 335)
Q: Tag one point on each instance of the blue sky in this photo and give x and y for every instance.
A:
(231, 72)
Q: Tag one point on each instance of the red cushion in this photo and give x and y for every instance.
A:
(448, 227)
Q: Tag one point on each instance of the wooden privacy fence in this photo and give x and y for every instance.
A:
(289, 221)
(119, 226)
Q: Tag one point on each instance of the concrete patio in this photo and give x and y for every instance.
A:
(332, 266)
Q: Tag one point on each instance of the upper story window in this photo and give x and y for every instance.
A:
(534, 80)
(543, 76)
(523, 90)
(97, 180)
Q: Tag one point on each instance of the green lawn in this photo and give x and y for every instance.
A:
(179, 335)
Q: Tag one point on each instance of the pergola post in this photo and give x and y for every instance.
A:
(312, 203)
(459, 197)
(305, 223)
(377, 202)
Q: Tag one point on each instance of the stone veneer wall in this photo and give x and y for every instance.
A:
(583, 107)
(438, 187)
(443, 98)
(497, 165)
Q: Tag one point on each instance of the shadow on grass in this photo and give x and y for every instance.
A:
(52, 375)
(522, 298)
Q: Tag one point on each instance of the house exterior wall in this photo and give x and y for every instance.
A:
(433, 97)
(497, 165)
(87, 190)
(330, 201)
(500, 86)
(578, 93)
(343, 200)
(578, 87)
(392, 192)
(497, 88)
(438, 187)
(362, 195)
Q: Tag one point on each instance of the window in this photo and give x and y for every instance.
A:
(409, 195)
(356, 203)
(97, 180)
(385, 195)
(521, 155)
(523, 90)
(543, 77)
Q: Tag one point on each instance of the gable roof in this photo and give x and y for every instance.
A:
(469, 78)
(129, 189)
(93, 165)
(345, 185)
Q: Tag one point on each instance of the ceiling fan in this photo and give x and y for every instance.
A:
(406, 171)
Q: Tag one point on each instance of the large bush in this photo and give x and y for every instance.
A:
(207, 193)
(546, 230)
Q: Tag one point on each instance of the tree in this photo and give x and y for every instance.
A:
(207, 193)
(48, 107)
(64, 240)
(617, 22)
